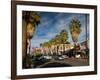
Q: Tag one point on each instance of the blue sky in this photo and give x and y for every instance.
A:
(52, 23)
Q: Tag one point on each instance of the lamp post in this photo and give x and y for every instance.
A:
(86, 28)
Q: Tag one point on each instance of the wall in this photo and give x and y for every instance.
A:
(5, 40)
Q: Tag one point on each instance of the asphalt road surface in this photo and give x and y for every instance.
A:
(65, 63)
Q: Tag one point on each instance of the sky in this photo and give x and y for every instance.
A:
(51, 24)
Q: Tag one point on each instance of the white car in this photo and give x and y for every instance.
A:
(60, 58)
(64, 56)
(77, 56)
(47, 57)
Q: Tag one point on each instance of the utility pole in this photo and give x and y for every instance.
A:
(86, 28)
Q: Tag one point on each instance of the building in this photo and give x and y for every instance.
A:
(57, 49)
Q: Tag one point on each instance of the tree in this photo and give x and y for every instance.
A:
(75, 29)
(30, 20)
(63, 36)
(57, 39)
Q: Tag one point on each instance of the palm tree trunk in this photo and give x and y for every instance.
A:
(24, 43)
(24, 39)
(28, 46)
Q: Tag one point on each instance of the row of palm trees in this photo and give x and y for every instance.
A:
(58, 39)
(62, 38)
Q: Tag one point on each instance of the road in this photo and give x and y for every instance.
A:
(66, 62)
(77, 62)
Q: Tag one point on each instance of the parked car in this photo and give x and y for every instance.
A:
(64, 56)
(60, 58)
(48, 57)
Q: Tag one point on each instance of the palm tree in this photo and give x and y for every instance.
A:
(30, 20)
(75, 29)
(63, 36)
